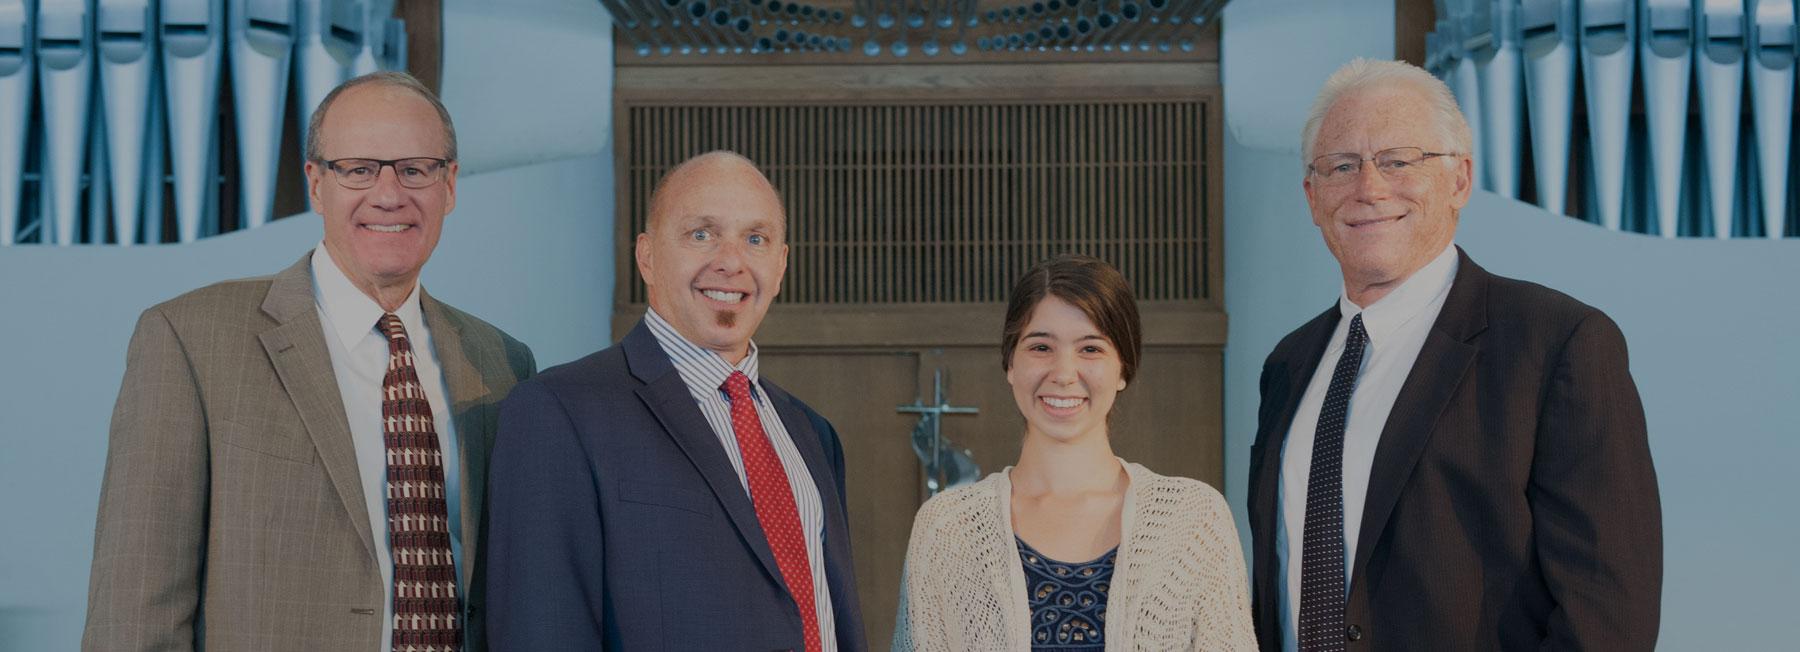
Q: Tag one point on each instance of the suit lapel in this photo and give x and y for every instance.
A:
(669, 400)
(806, 439)
(297, 350)
(1289, 378)
(1442, 366)
(469, 408)
(812, 449)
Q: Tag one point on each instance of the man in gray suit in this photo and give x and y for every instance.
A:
(297, 462)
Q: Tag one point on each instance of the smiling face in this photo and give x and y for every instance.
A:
(1379, 230)
(1064, 373)
(714, 252)
(381, 236)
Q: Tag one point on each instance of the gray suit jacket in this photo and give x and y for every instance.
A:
(232, 515)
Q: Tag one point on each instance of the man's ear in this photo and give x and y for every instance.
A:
(450, 188)
(314, 173)
(643, 255)
(1465, 181)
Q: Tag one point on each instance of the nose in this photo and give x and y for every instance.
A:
(386, 194)
(730, 257)
(1371, 184)
(1063, 370)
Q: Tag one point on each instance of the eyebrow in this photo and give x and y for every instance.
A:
(1091, 336)
(694, 221)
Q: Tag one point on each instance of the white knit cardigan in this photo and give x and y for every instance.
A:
(1178, 580)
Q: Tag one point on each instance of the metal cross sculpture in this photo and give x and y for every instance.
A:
(945, 466)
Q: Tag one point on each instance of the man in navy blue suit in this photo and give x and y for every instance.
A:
(659, 494)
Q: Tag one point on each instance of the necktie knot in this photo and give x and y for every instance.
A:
(391, 327)
(737, 386)
(1358, 335)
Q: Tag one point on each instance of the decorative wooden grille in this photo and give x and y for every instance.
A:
(949, 202)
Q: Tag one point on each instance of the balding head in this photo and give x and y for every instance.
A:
(707, 168)
(714, 250)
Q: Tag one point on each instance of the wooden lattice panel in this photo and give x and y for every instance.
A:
(894, 203)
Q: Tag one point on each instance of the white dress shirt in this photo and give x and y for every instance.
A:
(1397, 325)
(705, 372)
(359, 359)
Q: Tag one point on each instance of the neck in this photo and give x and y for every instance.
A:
(1366, 294)
(734, 356)
(1365, 291)
(387, 294)
(1083, 465)
(388, 297)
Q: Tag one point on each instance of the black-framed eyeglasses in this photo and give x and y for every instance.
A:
(360, 173)
(1396, 164)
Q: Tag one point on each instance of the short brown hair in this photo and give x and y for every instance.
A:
(1094, 287)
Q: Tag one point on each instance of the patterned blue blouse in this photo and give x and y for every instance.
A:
(1068, 601)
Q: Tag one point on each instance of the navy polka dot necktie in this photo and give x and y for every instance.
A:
(1322, 579)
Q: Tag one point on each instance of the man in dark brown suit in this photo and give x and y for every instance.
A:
(1445, 459)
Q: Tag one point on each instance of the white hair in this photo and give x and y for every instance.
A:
(1366, 74)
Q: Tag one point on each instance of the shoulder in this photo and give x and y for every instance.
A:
(477, 329)
(1154, 489)
(1290, 344)
(957, 509)
(1509, 297)
(471, 324)
(1183, 512)
(956, 534)
(1530, 318)
(241, 296)
(604, 367)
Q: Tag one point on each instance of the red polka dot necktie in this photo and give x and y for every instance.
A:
(774, 500)
(1322, 582)
(426, 610)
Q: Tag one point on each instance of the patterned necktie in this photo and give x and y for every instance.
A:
(1322, 582)
(774, 500)
(426, 610)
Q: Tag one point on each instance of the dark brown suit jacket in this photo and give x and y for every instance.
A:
(1512, 503)
(232, 511)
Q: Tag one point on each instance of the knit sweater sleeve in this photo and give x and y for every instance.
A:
(1223, 622)
(1185, 574)
(954, 589)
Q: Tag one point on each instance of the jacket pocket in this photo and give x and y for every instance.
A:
(681, 498)
(268, 439)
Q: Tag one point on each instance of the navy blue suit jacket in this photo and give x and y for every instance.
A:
(617, 522)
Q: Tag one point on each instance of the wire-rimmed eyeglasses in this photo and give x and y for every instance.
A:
(360, 173)
(1396, 164)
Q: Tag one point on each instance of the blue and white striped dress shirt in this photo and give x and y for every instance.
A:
(705, 372)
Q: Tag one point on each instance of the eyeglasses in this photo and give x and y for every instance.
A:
(1397, 165)
(361, 173)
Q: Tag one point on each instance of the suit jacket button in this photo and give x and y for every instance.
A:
(1353, 632)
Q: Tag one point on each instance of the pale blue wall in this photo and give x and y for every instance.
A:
(529, 248)
(1710, 325)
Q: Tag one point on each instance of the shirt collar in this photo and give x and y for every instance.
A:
(1405, 303)
(701, 368)
(348, 312)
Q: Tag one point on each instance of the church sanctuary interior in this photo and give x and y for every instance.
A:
(1637, 154)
